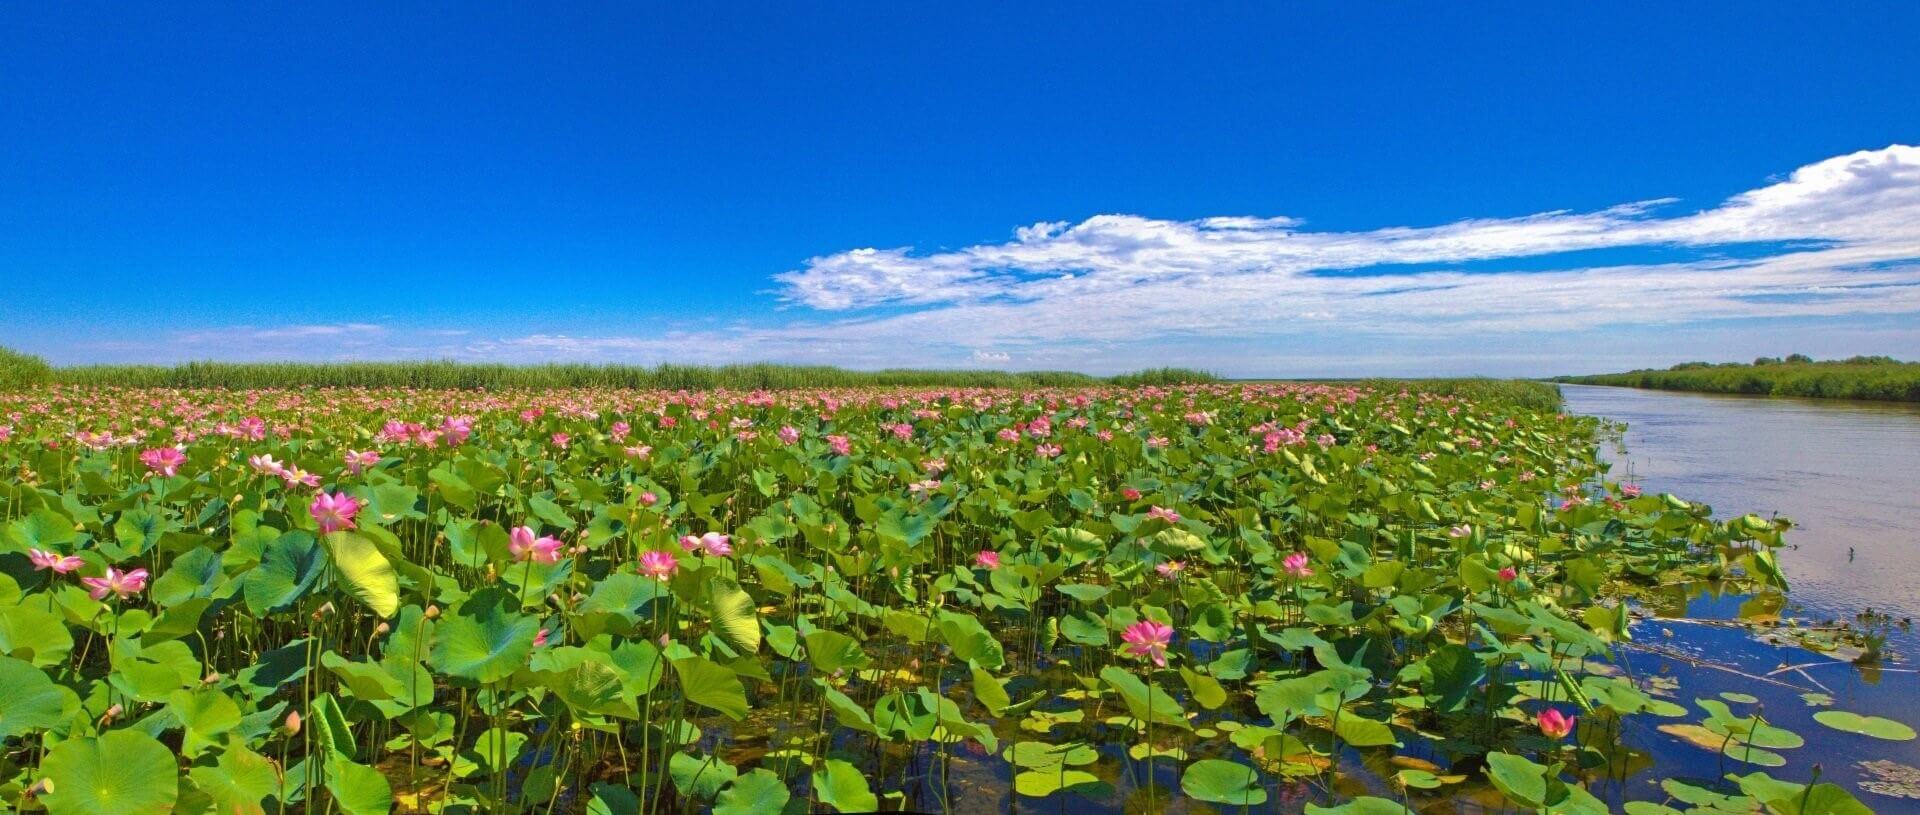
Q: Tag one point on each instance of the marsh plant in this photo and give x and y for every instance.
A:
(1342, 598)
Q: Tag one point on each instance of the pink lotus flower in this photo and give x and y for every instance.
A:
(562, 440)
(1164, 514)
(987, 559)
(1296, 565)
(787, 434)
(525, 546)
(619, 431)
(1046, 451)
(117, 583)
(265, 465)
(163, 460)
(923, 488)
(712, 543)
(1554, 724)
(60, 564)
(1148, 639)
(648, 499)
(1172, 569)
(659, 565)
(1130, 494)
(1461, 531)
(540, 639)
(358, 461)
(334, 512)
(840, 445)
(1509, 573)
(1630, 490)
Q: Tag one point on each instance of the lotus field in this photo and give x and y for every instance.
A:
(1344, 599)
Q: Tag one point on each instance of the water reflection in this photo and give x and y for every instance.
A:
(1847, 473)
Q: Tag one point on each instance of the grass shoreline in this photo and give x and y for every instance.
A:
(1867, 379)
(20, 370)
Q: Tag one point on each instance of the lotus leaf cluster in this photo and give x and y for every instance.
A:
(1346, 599)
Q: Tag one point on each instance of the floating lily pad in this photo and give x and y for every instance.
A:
(1875, 726)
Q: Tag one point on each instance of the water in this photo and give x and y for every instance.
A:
(1848, 474)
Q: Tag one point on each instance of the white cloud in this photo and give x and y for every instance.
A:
(1830, 253)
(1867, 199)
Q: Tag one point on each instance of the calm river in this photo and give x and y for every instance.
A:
(1848, 474)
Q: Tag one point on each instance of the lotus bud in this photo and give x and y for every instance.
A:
(111, 714)
(433, 612)
(210, 678)
(293, 723)
(382, 628)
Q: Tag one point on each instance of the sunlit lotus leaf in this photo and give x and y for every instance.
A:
(1875, 726)
(367, 573)
(843, 787)
(1042, 783)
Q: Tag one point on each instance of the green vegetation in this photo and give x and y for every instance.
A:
(1366, 600)
(463, 375)
(1876, 378)
(19, 370)
(1524, 392)
(1163, 377)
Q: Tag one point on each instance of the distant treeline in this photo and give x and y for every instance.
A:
(20, 369)
(1876, 377)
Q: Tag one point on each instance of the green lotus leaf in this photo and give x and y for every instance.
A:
(1042, 783)
(734, 618)
(124, 772)
(357, 788)
(1363, 805)
(843, 787)
(707, 683)
(1223, 782)
(292, 565)
(757, 792)
(241, 783)
(483, 644)
(30, 701)
(368, 575)
(1875, 726)
(700, 778)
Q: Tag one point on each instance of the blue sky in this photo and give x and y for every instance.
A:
(1260, 191)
